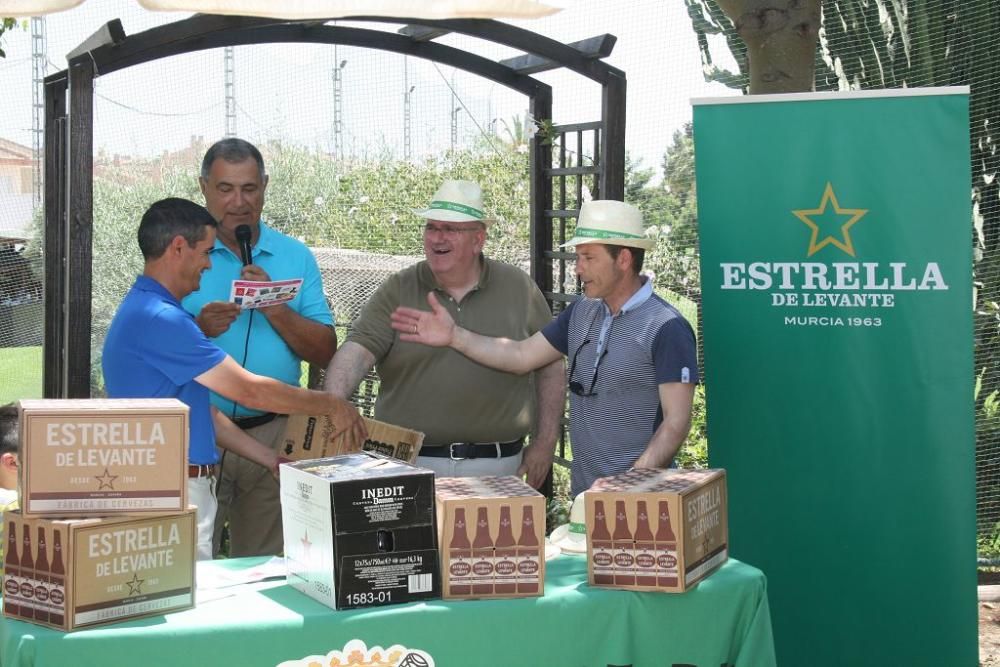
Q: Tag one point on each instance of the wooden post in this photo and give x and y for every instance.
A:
(540, 192)
(613, 137)
(79, 249)
(56, 172)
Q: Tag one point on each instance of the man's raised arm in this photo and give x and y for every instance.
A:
(437, 329)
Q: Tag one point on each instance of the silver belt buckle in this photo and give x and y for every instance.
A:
(451, 452)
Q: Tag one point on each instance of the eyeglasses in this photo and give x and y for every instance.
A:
(448, 231)
(574, 385)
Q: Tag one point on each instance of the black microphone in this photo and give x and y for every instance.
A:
(243, 238)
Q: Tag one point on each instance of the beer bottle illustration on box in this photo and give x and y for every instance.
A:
(505, 560)
(666, 549)
(529, 555)
(41, 580)
(624, 548)
(57, 581)
(645, 552)
(11, 573)
(600, 542)
(459, 557)
(482, 555)
(27, 576)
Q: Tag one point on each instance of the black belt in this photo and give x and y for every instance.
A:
(458, 451)
(253, 422)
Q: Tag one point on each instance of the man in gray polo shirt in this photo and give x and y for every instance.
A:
(474, 419)
(633, 358)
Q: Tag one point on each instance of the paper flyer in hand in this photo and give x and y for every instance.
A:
(253, 294)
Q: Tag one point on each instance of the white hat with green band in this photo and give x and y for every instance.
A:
(456, 201)
(572, 537)
(611, 223)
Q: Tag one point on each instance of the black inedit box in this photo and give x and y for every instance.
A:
(360, 530)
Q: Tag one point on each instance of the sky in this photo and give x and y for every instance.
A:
(285, 92)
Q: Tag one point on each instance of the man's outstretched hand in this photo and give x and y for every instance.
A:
(435, 328)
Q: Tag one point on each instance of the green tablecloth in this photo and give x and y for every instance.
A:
(724, 621)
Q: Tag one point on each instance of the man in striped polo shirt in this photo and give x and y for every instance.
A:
(633, 358)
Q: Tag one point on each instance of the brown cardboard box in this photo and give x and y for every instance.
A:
(492, 537)
(74, 573)
(311, 437)
(359, 530)
(662, 530)
(87, 457)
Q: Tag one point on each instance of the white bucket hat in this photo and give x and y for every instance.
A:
(572, 537)
(456, 201)
(611, 223)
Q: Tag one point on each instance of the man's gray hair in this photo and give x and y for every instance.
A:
(233, 151)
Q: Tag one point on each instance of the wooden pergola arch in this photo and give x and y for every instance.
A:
(69, 135)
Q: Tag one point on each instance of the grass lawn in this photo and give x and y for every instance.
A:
(20, 373)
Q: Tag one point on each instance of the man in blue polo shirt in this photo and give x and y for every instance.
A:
(633, 359)
(154, 349)
(270, 341)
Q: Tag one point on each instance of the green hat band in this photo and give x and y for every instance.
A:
(604, 234)
(578, 528)
(458, 208)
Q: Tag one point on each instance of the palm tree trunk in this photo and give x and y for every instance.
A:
(781, 40)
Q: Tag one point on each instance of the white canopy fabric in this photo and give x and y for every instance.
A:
(314, 9)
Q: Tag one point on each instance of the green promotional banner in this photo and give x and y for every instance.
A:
(836, 267)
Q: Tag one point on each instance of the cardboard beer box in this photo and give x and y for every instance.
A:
(360, 530)
(492, 536)
(311, 437)
(75, 573)
(662, 530)
(90, 457)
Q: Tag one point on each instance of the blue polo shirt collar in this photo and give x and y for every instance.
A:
(265, 242)
(147, 284)
(640, 297)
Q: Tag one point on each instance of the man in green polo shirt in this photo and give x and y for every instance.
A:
(474, 419)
